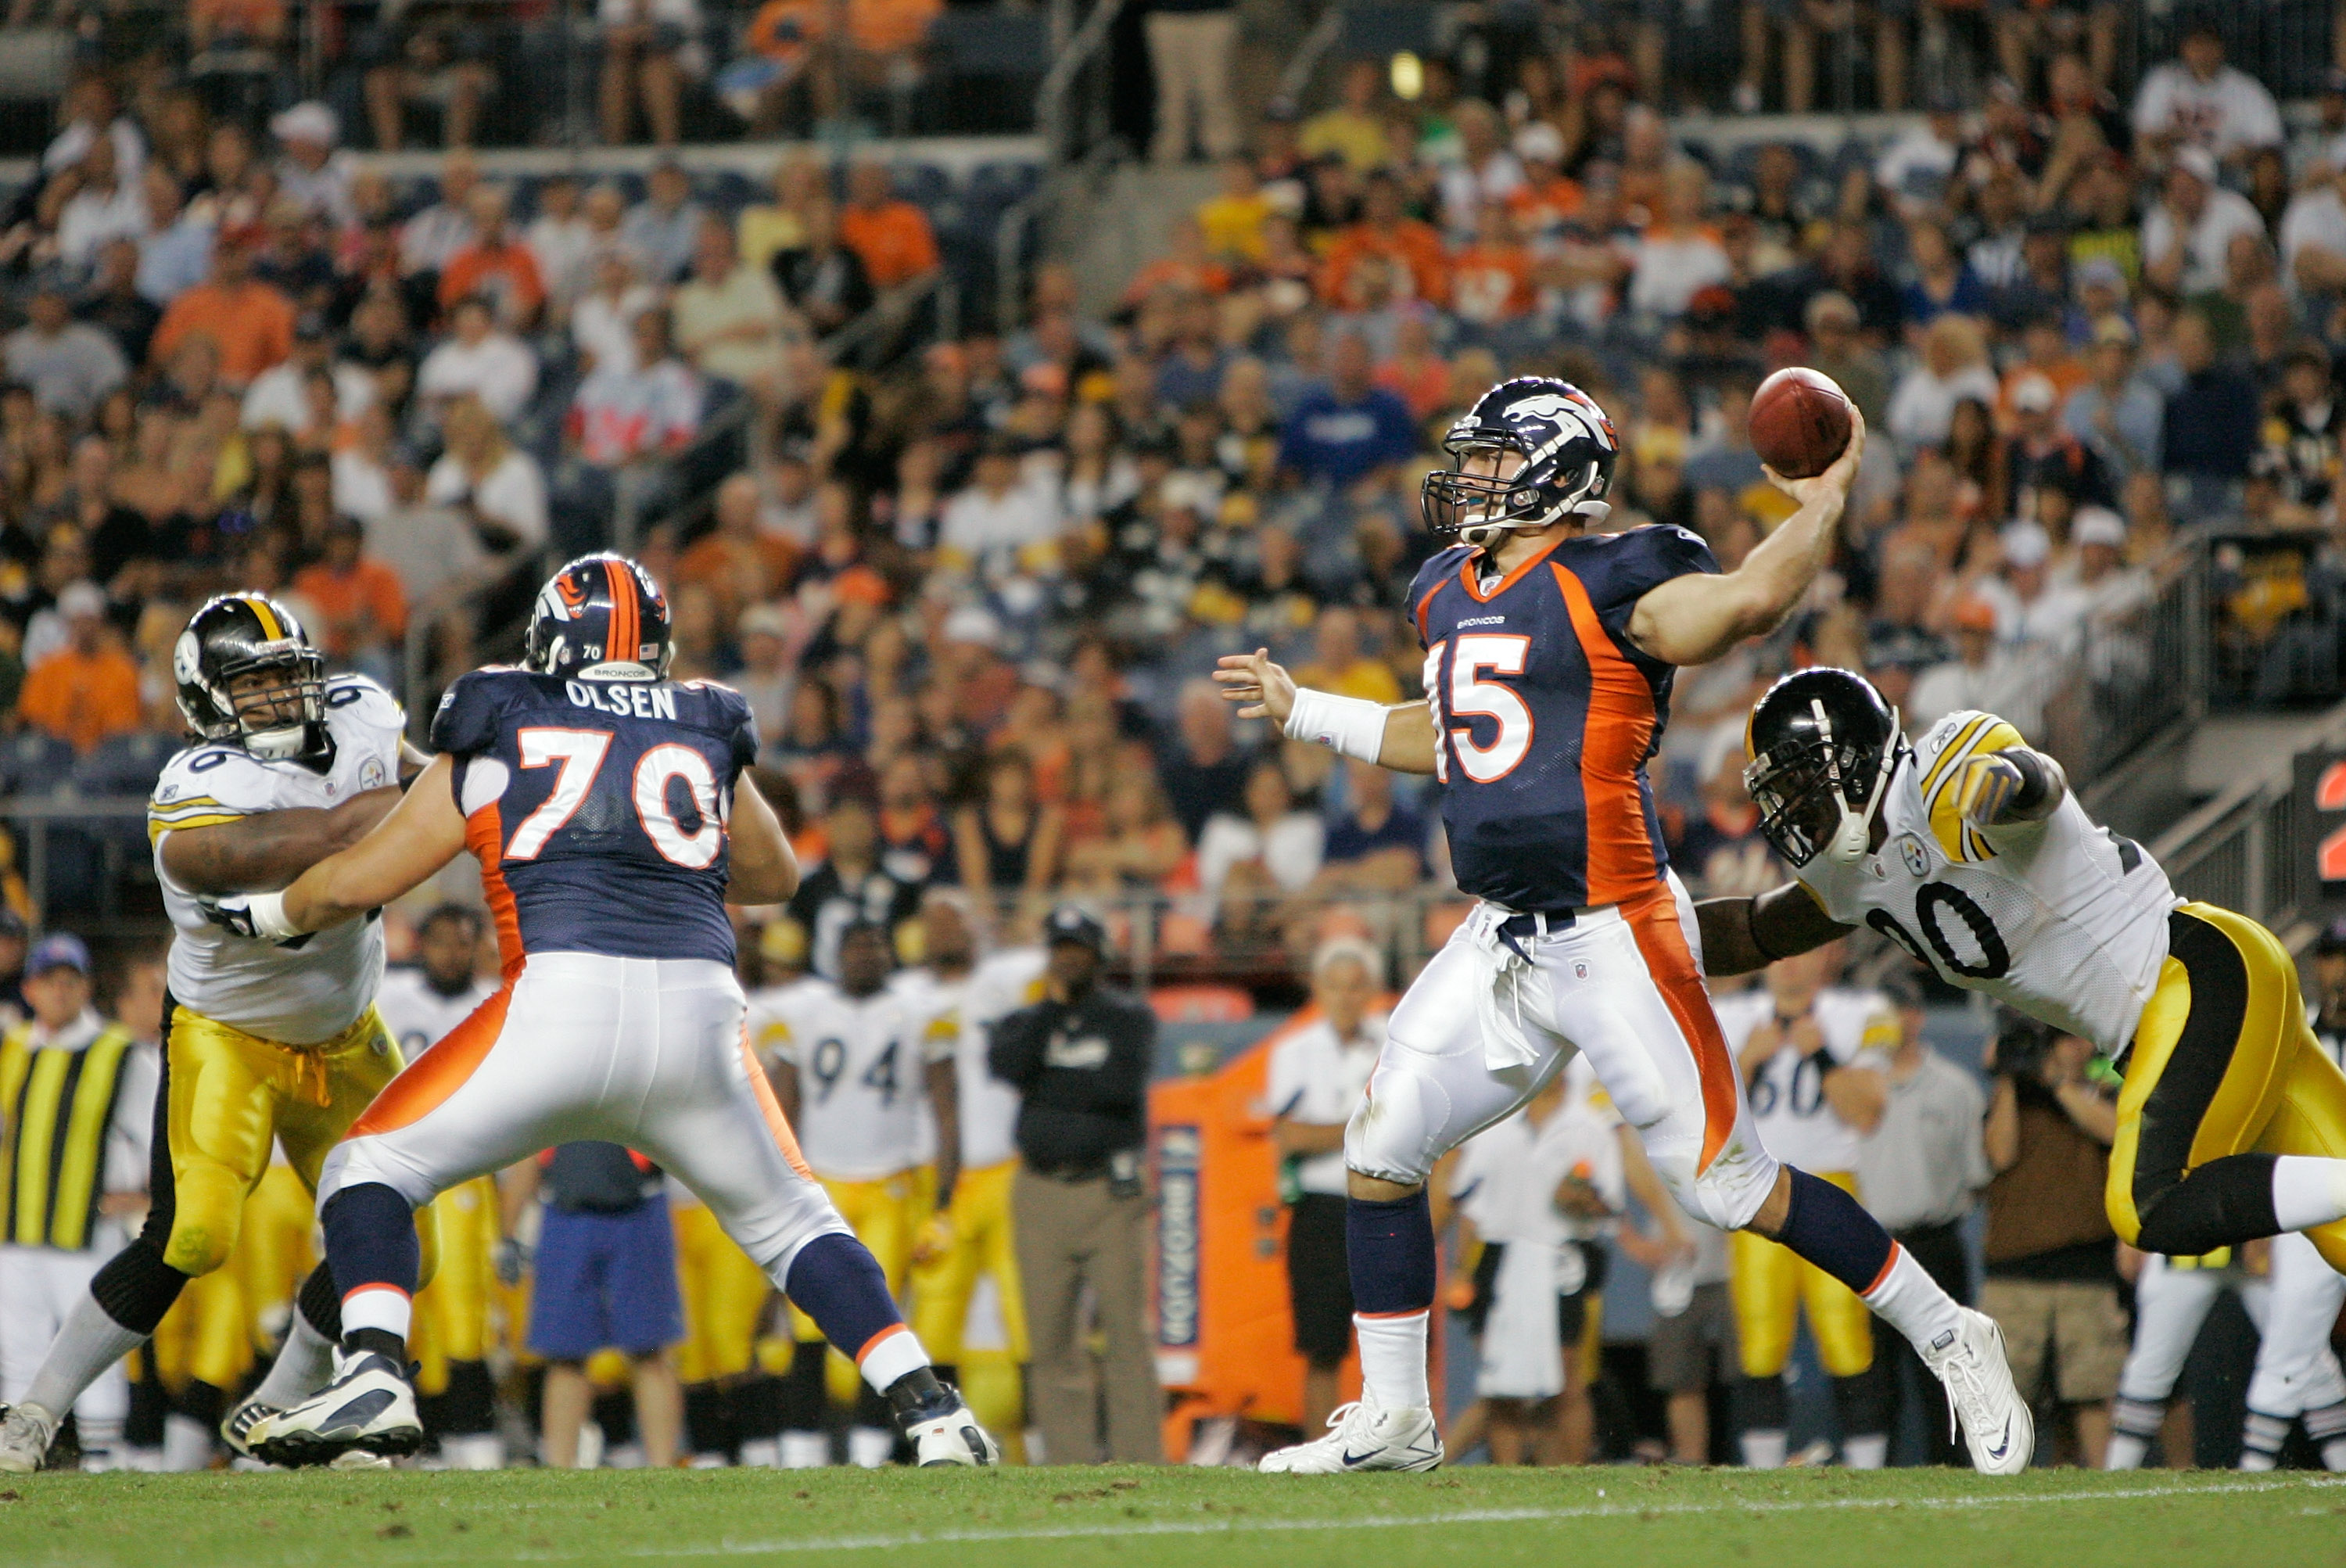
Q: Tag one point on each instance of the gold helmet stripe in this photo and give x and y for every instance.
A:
(273, 629)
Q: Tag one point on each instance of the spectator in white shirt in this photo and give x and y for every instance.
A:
(2188, 234)
(361, 471)
(313, 172)
(2030, 606)
(1680, 253)
(2199, 101)
(562, 244)
(1913, 171)
(436, 234)
(70, 365)
(496, 367)
(280, 395)
(175, 245)
(1486, 169)
(1318, 1077)
(1986, 675)
(2314, 236)
(91, 111)
(498, 487)
(103, 206)
(650, 406)
(1953, 367)
(1272, 850)
(1002, 526)
(602, 323)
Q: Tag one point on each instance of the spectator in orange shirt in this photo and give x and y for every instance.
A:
(1185, 266)
(87, 690)
(1386, 229)
(893, 238)
(1415, 373)
(1548, 199)
(496, 265)
(361, 603)
(1490, 279)
(739, 562)
(251, 322)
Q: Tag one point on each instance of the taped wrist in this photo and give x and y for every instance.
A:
(2041, 782)
(1348, 726)
(268, 921)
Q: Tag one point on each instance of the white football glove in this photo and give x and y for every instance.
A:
(259, 917)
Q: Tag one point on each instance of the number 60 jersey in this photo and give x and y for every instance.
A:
(597, 809)
(2061, 919)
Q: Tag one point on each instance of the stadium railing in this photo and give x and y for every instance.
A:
(2247, 848)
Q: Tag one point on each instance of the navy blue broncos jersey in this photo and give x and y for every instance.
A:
(597, 809)
(1544, 715)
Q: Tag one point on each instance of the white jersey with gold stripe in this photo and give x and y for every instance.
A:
(1787, 1091)
(862, 1063)
(964, 1012)
(2061, 919)
(294, 995)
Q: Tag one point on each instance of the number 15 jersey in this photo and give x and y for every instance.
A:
(597, 809)
(2061, 919)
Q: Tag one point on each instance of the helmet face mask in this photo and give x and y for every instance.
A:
(1531, 452)
(1822, 748)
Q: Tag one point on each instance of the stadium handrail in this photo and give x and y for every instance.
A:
(2245, 849)
(1051, 97)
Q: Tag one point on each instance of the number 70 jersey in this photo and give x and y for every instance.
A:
(2062, 920)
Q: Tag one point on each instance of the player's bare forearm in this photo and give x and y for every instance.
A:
(268, 849)
(1409, 738)
(1262, 688)
(1740, 935)
(761, 866)
(423, 832)
(945, 1104)
(1299, 1139)
(1695, 618)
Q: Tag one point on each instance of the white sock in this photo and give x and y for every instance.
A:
(1870, 1451)
(761, 1453)
(2308, 1191)
(870, 1448)
(895, 1355)
(384, 1307)
(187, 1444)
(479, 1451)
(805, 1451)
(2126, 1452)
(304, 1365)
(1392, 1361)
(89, 1342)
(1910, 1302)
(2333, 1455)
(1763, 1448)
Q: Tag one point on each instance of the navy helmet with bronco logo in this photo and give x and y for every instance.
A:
(1567, 450)
(601, 618)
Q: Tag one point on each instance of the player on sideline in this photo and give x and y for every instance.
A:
(601, 800)
(265, 1046)
(1969, 852)
(1549, 656)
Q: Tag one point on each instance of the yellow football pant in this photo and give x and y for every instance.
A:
(984, 1244)
(724, 1298)
(273, 1252)
(1769, 1285)
(884, 1215)
(2222, 1063)
(233, 1095)
(206, 1336)
(452, 1313)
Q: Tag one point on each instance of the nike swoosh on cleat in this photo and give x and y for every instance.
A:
(1352, 1459)
(2003, 1441)
(355, 1415)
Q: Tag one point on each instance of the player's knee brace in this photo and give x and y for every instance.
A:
(1396, 1135)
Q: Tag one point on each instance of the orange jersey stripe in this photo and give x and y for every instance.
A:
(625, 641)
(439, 1073)
(776, 1123)
(1475, 591)
(1653, 920)
(485, 835)
(1619, 732)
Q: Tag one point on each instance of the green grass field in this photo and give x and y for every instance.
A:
(1470, 1518)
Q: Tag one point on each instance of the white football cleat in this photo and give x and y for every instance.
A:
(1363, 1436)
(244, 1424)
(1980, 1398)
(951, 1437)
(360, 1421)
(25, 1433)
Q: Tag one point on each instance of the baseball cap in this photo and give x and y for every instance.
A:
(1067, 923)
(2027, 545)
(2097, 525)
(59, 950)
(310, 122)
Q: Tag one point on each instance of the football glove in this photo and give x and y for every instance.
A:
(1990, 785)
(257, 917)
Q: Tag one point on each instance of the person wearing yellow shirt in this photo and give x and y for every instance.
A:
(1338, 664)
(1232, 222)
(1353, 129)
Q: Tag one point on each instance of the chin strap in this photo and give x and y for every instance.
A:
(1855, 835)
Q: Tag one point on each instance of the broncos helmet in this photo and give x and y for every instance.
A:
(1820, 748)
(1568, 450)
(237, 635)
(600, 617)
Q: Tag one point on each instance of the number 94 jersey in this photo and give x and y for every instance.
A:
(597, 809)
(2061, 919)
(862, 1064)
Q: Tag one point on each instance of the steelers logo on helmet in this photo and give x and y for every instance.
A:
(601, 618)
(1822, 747)
(248, 677)
(1531, 452)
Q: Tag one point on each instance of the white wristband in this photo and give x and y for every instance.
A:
(268, 922)
(1348, 726)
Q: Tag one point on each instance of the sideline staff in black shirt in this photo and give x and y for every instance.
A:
(1081, 1058)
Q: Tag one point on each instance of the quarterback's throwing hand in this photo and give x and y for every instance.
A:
(1255, 681)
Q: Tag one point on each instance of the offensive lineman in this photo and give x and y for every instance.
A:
(601, 800)
(267, 1045)
(423, 1006)
(851, 1062)
(1968, 851)
(1550, 653)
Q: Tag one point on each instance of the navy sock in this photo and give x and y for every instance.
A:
(1390, 1248)
(1826, 1226)
(371, 1239)
(836, 1281)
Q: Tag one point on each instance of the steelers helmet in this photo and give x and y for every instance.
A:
(1820, 750)
(233, 639)
(1568, 451)
(601, 618)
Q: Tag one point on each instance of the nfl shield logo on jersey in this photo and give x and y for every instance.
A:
(1910, 851)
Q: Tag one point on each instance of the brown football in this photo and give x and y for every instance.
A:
(1799, 422)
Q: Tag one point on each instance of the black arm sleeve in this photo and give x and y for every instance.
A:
(1015, 1051)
